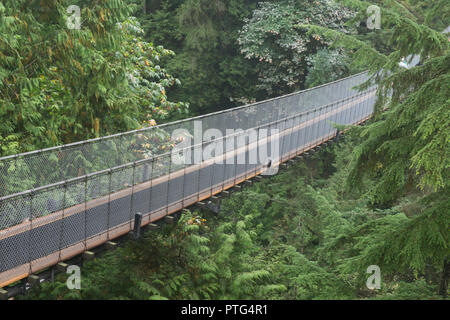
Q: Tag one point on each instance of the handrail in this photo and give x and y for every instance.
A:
(79, 143)
(152, 159)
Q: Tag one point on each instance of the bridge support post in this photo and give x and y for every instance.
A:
(62, 267)
(258, 178)
(201, 204)
(137, 225)
(88, 255)
(169, 219)
(111, 245)
(215, 204)
(3, 294)
(153, 226)
(34, 280)
(225, 194)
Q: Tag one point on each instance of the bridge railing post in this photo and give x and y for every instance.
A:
(323, 125)
(30, 232)
(309, 129)
(168, 184)
(340, 115)
(335, 119)
(257, 152)
(137, 225)
(61, 234)
(347, 112)
(330, 121)
(109, 203)
(224, 159)
(151, 189)
(297, 134)
(354, 110)
(247, 154)
(283, 139)
(133, 179)
(85, 212)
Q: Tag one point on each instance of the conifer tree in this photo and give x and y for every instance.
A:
(406, 148)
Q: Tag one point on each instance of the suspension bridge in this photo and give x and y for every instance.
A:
(59, 202)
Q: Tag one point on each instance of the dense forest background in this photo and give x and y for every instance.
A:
(381, 197)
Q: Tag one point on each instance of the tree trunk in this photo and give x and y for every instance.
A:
(443, 283)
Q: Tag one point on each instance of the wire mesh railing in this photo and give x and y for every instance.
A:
(96, 187)
(44, 167)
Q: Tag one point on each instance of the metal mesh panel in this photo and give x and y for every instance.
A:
(294, 136)
(97, 212)
(301, 132)
(121, 203)
(73, 225)
(15, 246)
(176, 182)
(328, 127)
(205, 178)
(141, 196)
(97, 186)
(191, 178)
(14, 211)
(309, 132)
(56, 164)
(44, 234)
(320, 124)
(160, 185)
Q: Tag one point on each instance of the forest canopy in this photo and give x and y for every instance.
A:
(378, 197)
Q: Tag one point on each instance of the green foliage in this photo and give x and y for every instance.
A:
(416, 290)
(327, 66)
(408, 143)
(434, 13)
(273, 37)
(59, 85)
(405, 148)
(204, 35)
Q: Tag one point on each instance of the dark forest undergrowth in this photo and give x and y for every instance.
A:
(297, 235)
